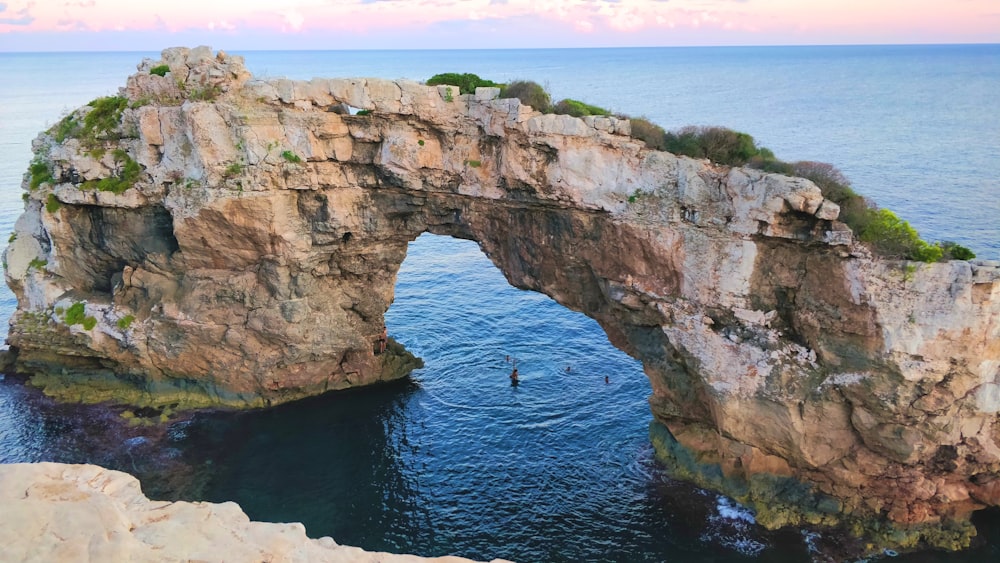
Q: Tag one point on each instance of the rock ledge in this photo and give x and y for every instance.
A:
(56, 512)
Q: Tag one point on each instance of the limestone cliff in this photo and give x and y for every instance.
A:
(56, 512)
(218, 239)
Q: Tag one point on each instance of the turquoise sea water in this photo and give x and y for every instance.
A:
(560, 468)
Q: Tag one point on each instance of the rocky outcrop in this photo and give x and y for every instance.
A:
(56, 512)
(229, 240)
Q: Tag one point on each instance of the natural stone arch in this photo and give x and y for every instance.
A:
(793, 370)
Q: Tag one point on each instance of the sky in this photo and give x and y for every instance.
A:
(150, 25)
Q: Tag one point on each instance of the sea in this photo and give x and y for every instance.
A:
(560, 468)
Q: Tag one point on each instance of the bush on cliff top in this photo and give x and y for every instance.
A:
(882, 230)
(648, 132)
(576, 108)
(718, 144)
(530, 93)
(467, 82)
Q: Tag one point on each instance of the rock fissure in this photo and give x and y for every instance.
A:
(258, 252)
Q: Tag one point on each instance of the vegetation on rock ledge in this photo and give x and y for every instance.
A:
(126, 175)
(40, 174)
(881, 230)
(52, 204)
(467, 82)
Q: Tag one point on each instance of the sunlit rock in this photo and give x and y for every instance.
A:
(251, 259)
(56, 512)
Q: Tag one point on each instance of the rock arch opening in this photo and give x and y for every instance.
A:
(528, 453)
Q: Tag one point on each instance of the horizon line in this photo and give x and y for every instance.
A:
(623, 47)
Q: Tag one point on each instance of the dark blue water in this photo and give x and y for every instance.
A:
(559, 468)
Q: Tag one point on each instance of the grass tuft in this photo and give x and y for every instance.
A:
(75, 314)
(126, 176)
(125, 322)
(52, 204)
(40, 174)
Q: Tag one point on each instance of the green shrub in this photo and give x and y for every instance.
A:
(234, 169)
(291, 157)
(953, 251)
(364, 112)
(52, 204)
(40, 174)
(926, 252)
(530, 93)
(576, 108)
(420, 142)
(205, 93)
(89, 323)
(855, 210)
(104, 118)
(67, 127)
(127, 174)
(160, 70)
(37, 263)
(125, 322)
(891, 236)
(75, 314)
(648, 132)
(831, 181)
(773, 165)
(718, 144)
(467, 82)
(474, 163)
(100, 123)
(13, 237)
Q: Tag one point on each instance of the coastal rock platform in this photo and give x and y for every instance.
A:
(207, 238)
(57, 512)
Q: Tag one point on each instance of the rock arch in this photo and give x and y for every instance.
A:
(789, 367)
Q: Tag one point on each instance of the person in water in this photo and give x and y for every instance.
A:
(513, 377)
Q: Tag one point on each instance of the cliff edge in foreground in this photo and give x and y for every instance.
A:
(208, 238)
(56, 512)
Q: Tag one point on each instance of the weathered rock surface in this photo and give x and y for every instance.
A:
(57, 512)
(254, 257)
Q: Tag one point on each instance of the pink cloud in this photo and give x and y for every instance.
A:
(591, 22)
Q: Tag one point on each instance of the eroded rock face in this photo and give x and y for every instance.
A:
(57, 512)
(254, 257)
